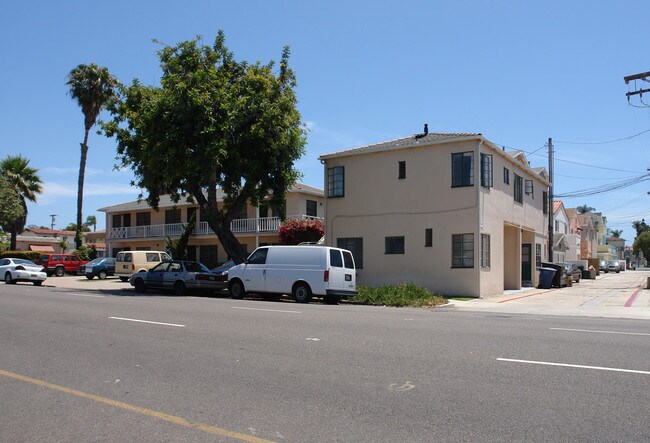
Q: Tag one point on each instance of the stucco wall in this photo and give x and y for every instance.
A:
(377, 204)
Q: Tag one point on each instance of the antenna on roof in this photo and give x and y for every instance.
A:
(426, 131)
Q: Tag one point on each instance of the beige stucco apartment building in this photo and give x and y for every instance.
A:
(450, 212)
(136, 226)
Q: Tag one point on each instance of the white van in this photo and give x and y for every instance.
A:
(301, 271)
(131, 262)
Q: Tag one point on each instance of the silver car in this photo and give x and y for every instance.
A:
(177, 275)
(13, 270)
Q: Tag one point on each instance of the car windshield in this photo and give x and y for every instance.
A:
(96, 261)
(191, 266)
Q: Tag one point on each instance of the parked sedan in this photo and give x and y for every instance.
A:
(99, 267)
(14, 270)
(222, 271)
(573, 271)
(177, 275)
(613, 266)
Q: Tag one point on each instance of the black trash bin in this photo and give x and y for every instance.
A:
(560, 278)
(546, 277)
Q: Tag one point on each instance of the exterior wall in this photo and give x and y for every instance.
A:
(295, 207)
(377, 204)
(374, 208)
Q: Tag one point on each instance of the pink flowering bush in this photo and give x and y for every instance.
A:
(296, 231)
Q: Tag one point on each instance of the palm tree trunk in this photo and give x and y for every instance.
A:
(80, 188)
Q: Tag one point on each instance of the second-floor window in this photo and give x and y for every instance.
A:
(486, 171)
(172, 216)
(143, 218)
(529, 188)
(401, 173)
(336, 181)
(506, 176)
(545, 202)
(312, 208)
(519, 189)
(462, 169)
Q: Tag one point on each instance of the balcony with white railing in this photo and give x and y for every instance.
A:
(263, 225)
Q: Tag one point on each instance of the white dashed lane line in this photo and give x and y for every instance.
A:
(146, 321)
(567, 365)
(599, 332)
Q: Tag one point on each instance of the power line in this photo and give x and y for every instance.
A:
(605, 142)
(606, 187)
(645, 194)
(592, 166)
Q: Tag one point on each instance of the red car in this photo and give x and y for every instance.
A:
(60, 264)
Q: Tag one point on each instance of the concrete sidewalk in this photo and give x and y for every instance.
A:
(611, 295)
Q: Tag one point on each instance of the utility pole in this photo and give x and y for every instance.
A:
(550, 200)
(644, 76)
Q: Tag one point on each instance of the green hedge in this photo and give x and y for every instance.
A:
(34, 256)
(405, 294)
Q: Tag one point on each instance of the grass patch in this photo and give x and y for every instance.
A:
(406, 294)
(459, 298)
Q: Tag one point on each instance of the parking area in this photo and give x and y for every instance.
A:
(612, 295)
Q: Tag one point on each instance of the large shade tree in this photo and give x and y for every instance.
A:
(26, 184)
(214, 123)
(91, 86)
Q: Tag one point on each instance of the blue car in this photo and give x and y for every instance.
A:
(99, 267)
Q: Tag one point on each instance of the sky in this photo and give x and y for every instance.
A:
(517, 72)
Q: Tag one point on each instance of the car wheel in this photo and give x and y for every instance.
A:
(38, 283)
(124, 278)
(8, 279)
(302, 292)
(102, 275)
(237, 290)
(90, 277)
(179, 288)
(59, 272)
(140, 287)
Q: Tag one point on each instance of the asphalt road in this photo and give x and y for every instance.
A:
(80, 365)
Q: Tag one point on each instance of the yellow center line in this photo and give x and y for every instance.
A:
(132, 408)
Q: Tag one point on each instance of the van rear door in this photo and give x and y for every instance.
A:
(342, 274)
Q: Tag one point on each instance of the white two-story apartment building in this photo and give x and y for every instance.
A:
(451, 212)
(136, 226)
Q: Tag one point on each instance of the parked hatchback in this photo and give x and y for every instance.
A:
(177, 275)
(99, 267)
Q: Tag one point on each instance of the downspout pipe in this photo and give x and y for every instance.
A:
(479, 226)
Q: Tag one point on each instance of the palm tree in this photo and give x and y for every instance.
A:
(92, 87)
(616, 233)
(640, 226)
(91, 220)
(583, 209)
(26, 182)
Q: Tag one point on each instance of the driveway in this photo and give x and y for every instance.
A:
(611, 295)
